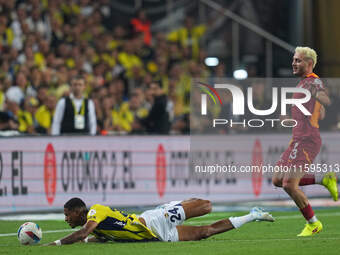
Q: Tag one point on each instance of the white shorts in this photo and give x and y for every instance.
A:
(162, 221)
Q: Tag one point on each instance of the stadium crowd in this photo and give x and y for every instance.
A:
(44, 44)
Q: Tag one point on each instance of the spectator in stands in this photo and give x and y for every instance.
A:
(6, 33)
(129, 59)
(39, 22)
(42, 93)
(44, 44)
(177, 98)
(30, 107)
(75, 114)
(44, 115)
(131, 112)
(7, 122)
(188, 36)
(2, 95)
(14, 98)
(157, 122)
(35, 82)
(16, 26)
(108, 116)
(141, 24)
(105, 10)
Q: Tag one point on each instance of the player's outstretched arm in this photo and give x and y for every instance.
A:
(76, 236)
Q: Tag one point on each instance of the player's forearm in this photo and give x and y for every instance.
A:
(322, 112)
(323, 98)
(72, 238)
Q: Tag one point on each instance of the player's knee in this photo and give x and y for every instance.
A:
(289, 187)
(207, 206)
(277, 182)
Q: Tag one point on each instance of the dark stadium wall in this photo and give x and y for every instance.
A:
(323, 29)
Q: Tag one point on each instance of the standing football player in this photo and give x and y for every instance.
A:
(306, 141)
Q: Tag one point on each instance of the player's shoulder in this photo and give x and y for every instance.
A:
(313, 79)
(97, 207)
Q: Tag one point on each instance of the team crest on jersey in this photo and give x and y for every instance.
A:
(318, 82)
(92, 212)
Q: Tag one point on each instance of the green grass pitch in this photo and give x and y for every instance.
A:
(251, 239)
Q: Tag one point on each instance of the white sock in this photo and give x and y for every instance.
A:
(239, 221)
(313, 219)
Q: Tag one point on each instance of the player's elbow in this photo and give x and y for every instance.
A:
(326, 101)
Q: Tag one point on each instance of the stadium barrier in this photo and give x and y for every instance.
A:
(41, 173)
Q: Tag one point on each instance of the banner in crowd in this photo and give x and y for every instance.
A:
(42, 173)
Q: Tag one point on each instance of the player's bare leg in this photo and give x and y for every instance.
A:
(328, 180)
(196, 207)
(290, 183)
(195, 233)
(277, 179)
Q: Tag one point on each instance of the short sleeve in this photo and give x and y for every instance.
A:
(97, 213)
(318, 84)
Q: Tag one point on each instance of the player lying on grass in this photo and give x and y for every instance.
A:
(161, 224)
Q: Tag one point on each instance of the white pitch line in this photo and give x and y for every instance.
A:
(299, 215)
(45, 232)
(276, 239)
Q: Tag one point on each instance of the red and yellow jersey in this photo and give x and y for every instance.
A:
(115, 225)
(307, 126)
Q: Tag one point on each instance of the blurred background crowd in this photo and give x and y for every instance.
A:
(134, 75)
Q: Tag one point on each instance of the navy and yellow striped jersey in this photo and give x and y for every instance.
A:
(115, 225)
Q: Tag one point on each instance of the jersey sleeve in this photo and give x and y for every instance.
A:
(317, 82)
(97, 213)
(313, 83)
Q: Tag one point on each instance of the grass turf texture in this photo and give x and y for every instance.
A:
(253, 238)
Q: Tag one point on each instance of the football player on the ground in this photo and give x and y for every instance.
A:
(161, 224)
